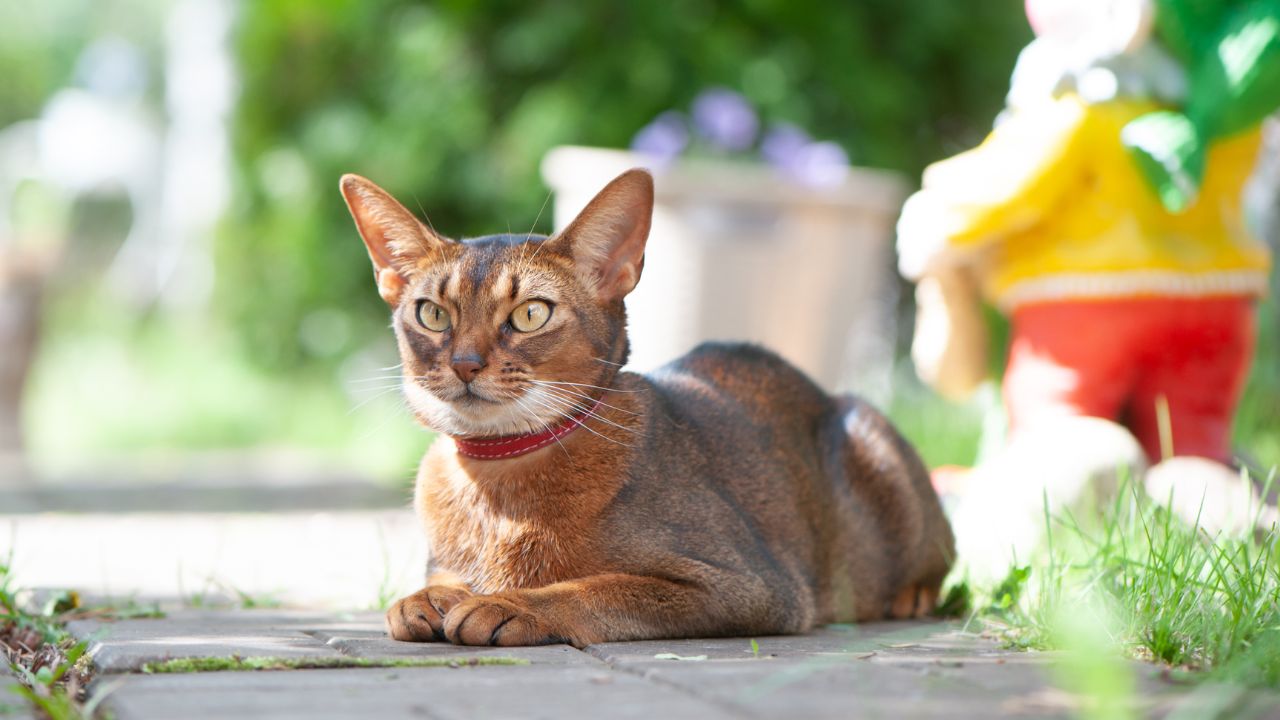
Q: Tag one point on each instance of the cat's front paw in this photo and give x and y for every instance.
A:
(420, 616)
(496, 620)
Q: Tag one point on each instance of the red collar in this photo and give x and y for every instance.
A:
(510, 446)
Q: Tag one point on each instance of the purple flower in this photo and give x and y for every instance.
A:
(816, 164)
(793, 154)
(782, 145)
(664, 138)
(725, 119)
(822, 165)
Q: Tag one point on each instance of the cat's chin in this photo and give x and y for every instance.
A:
(470, 415)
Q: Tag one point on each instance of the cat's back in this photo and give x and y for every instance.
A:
(763, 385)
(739, 403)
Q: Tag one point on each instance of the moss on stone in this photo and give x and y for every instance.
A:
(237, 663)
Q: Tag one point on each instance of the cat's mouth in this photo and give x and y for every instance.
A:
(469, 396)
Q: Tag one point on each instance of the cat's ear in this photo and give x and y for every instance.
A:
(606, 240)
(396, 240)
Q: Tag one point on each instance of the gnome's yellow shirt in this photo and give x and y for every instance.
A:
(1051, 207)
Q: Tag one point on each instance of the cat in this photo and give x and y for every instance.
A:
(569, 501)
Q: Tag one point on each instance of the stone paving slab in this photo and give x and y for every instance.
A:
(12, 705)
(906, 641)
(890, 670)
(127, 645)
(881, 670)
(851, 686)
(550, 692)
(840, 687)
(902, 670)
(375, 645)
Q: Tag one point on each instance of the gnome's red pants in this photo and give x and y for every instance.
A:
(1115, 359)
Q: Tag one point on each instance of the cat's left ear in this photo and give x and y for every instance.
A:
(607, 239)
(395, 238)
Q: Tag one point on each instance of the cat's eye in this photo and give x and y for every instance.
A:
(531, 315)
(432, 317)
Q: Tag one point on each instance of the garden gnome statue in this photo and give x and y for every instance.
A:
(1103, 217)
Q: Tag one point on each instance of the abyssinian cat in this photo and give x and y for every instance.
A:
(569, 501)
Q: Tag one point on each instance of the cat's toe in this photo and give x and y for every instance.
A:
(926, 601)
(407, 620)
(491, 620)
(904, 605)
(420, 616)
(913, 601)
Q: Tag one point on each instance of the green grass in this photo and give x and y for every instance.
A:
(944, 433)
(44, 684)
(1130, 580)
(1257, 422)
(14, 615)
(1153, 588)
(156, 395)
(53, 666)
(235, 663)
(47, 690)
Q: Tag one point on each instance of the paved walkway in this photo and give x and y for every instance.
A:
(314, 559)
(327, 558)
(884, 670)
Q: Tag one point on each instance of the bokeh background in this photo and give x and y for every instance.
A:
(183, 275)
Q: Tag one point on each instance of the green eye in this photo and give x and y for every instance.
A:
(432, 317)
(530, 316)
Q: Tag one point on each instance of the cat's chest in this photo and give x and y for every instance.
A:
(496, 544)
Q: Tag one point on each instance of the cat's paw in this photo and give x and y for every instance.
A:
(420, 616)
(914, 601)
(496, 620)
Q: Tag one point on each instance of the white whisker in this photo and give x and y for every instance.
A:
(546, 401)
(586, 410)
(541, 402)
(381, 393)
(517, 422)
(576, 393)
(539, 217)
(383, 378)
(541, 422)
(585, 385)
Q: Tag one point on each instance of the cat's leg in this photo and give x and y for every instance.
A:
(889, 479)
(616, 607)
(420, 616)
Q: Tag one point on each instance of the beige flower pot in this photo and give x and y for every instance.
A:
(738, 253)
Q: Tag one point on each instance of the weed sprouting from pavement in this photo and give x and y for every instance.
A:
(51, 666)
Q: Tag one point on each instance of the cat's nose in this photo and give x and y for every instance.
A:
(467, 367)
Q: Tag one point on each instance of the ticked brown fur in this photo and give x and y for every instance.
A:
(724, 494)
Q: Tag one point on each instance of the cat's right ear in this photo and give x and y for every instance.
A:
(395, 239)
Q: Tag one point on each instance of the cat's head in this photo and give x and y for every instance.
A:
(507, 334)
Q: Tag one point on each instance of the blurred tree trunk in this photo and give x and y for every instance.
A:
(20, 291)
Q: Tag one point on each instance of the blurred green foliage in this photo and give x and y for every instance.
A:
(451, 106)
(40, 42)
(1257, 426)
